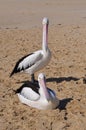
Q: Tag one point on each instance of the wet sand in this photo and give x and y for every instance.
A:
(66, 72)
(28, 13)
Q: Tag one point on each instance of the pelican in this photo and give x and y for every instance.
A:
(41, 98)
(36, 60)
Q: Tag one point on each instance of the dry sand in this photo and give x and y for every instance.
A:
(66, 72)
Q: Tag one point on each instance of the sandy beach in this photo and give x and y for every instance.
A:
(21, 34)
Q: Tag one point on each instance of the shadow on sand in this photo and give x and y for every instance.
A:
(52, 79)
(63, 103)
(61, 79)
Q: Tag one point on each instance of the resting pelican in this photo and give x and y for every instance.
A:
(36, 60)
(40, 98)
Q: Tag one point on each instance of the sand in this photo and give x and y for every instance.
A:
(66, 72)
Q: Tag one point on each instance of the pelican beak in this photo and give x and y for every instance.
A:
(46, 93)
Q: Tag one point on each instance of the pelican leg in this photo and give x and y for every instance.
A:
(32, 78)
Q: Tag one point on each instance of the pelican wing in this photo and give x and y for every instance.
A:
(30, 60)
(29, 94)
(51, 92)
(27, 61)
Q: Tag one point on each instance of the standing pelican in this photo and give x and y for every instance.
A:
(42, 98)
(36, 60)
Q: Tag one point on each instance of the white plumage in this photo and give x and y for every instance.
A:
(44, 99)
(28, 93)
(37, 60)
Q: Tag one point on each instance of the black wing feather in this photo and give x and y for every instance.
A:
(29, 85)
(16, 69)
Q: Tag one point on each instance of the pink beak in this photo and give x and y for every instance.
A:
(45, 90)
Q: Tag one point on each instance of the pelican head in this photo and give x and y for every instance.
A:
(41, 77)
(45, 21)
